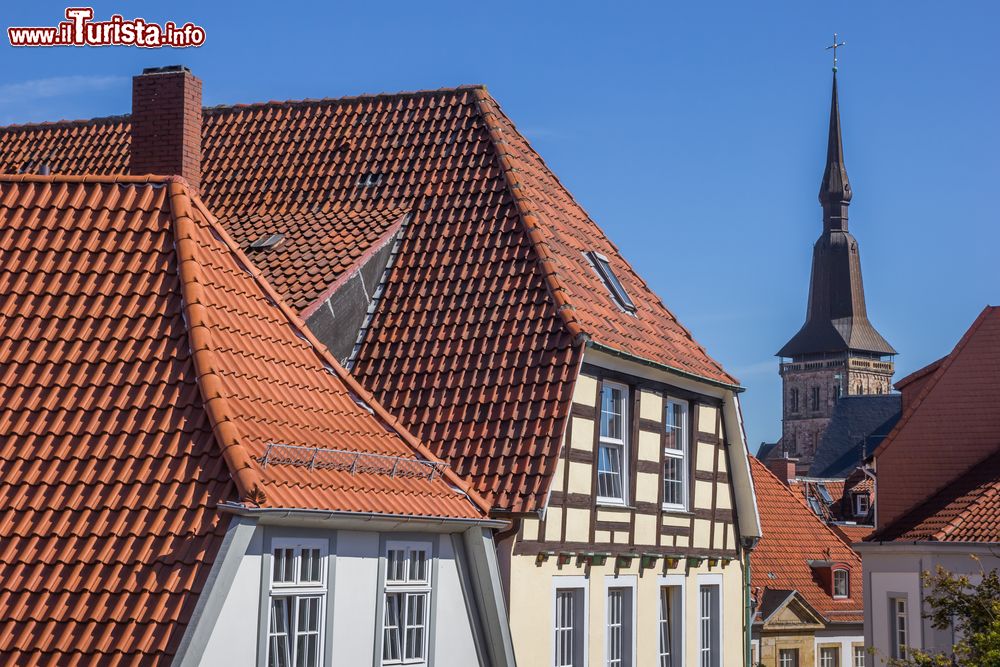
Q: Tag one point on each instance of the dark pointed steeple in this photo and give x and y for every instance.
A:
(835, 190)
(836, 318)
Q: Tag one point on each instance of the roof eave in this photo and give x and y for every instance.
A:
(663, 367)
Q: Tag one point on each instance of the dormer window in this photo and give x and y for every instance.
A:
(602, 265)
(862, 504)
(841, 583)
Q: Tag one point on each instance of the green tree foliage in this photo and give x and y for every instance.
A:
(974, 610)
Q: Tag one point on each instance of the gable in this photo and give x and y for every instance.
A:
(793, 615)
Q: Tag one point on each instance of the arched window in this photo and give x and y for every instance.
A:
(841, 583)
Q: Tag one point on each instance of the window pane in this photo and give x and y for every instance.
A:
(418, 565)
(396, 565)
(859, 656)
(612, 409)
(788, 657)
(676, 424)
(565, 631)
(673, 480)
(416, 604)
(278, 647)
(392, 638)
(615, 633)
(666, 628)
(309, 566)
(609, 471)
(284, 563)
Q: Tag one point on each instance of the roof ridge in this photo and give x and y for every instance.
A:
(315, 101)
(943, 365)
(145, 179)
(801, 502)
(66, 122)
(223, 108)
(226, 434)
(327, 358)
(545, 258)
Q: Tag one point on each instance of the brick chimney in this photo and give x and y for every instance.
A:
(783, 468)
(166, 124)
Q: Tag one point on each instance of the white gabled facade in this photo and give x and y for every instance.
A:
(344, 590)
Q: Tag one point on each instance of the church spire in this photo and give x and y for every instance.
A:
(835, 190)
(836, 316)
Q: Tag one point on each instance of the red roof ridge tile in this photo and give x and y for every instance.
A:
(129, 179)
(243, 106)
(544, 256)
(328, 359)
(942, 367)
(66, 122)
(226, 434)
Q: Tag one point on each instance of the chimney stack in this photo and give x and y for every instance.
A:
(783, 468)
(166, 124)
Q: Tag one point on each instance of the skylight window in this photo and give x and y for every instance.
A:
(370, 180)
(603, 267)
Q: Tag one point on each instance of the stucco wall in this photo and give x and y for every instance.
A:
(532, 608)
(894, 570)
(354, 599)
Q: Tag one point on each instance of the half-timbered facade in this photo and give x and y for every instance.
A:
(666, 534)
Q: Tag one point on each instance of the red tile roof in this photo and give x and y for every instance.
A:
(967, 510)
(476, 343)
(852, 533)
(145, 368)
(793, 536)
(951, 426)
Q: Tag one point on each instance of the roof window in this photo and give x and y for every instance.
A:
(370, 180)
(602, 265)
(267, 242)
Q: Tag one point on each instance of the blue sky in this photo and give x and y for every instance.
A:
(693, 133)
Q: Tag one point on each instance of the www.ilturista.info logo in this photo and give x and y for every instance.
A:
(80, 30)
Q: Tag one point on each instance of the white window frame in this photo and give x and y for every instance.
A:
(579, 586)
(822, 654)
(792, 653)
(858, 497)
(621, 444)
(678, 454)
(297, 590)
(719, 659)
(858, 652)
(675, 582)
(627, 585)
(847, 583)
(899, 636)
(408, 587)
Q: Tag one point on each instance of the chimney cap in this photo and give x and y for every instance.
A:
(167, 69)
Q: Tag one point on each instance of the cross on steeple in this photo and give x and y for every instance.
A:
(835, 46)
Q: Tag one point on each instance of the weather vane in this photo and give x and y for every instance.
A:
(835, 46)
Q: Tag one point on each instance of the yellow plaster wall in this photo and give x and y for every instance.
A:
(586, 390)
(707, 419)
(531, 600)
(650, 406)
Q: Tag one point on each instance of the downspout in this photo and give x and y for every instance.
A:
(748, 546)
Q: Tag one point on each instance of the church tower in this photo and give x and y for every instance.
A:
(837, 351)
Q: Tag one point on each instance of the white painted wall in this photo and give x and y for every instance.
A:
(895, 569)
(233, 640)
(355, 589)
(846, 642)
